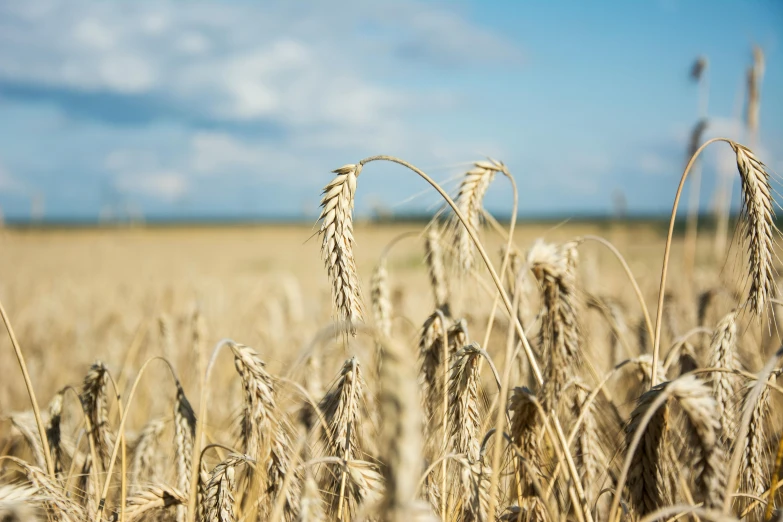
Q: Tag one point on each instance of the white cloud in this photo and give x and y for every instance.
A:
(209, 72)
(212, 151)
(232, 61)
(162, 185)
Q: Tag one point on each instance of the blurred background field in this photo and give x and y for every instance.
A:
(77, 295)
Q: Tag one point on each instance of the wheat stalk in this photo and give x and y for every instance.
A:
(758, 225)
(337, 245)
(380, 298)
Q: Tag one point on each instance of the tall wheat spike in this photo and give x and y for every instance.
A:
(381, 299)
(218, 504)
(54, 433)
(525, 431)
(94, 402)
(464, 426)
(703, 429)
(589, 456)
(648, 479)
(464, 417)
(265, 433)
(431, 361)
(758, 215)
(554, 267)
(723, 355)
(184, 435)
(341, 407)
(754, 469)
(337, 245)
(470, 201)
(436, 268)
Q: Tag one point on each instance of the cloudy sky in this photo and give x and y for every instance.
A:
(181, 109)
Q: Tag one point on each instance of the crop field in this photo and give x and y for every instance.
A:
(360, 371)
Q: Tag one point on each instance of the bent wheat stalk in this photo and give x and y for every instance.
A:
(758, 228)
(482, 252)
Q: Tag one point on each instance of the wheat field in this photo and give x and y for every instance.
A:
(357, 371)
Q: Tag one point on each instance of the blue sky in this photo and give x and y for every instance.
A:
(242, 108)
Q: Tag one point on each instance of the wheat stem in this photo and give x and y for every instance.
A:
(30, 392)
(667, 249)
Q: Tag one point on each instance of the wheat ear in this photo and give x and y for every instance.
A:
(758, 225)
(218, 503)
(650, 465)
(754, 472)
(184, 433)
(53, 432)
(525, 431)
(341, 408)
(94, 402)
(143, 463)
(381, 299)
(470, 201)
(554, 268)
(265, 432)
(723, 355)
(25, 424)
(59, 506)
(400, 436)
(703, 429)
(589, 457)
(435, 267)
(464, 418)
(337, 245)
(153, 498)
